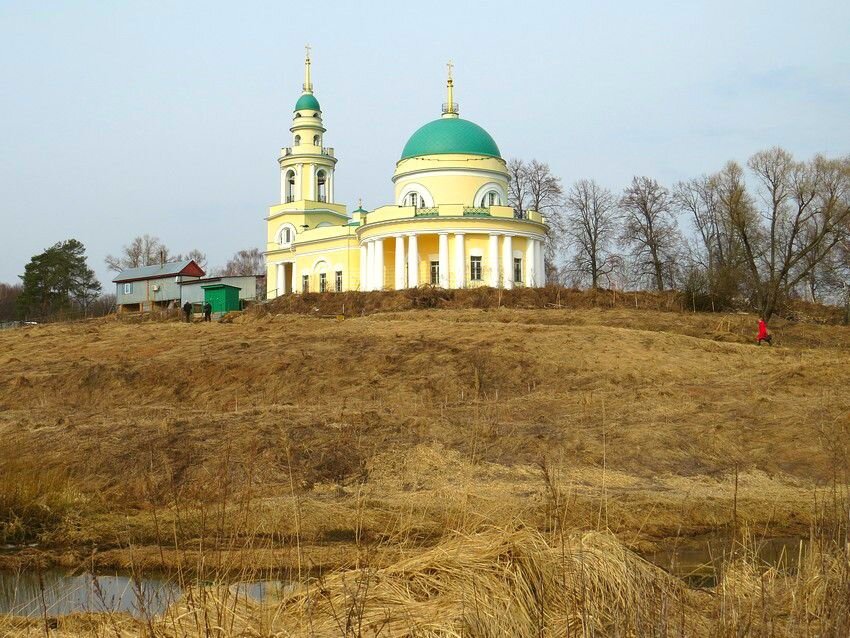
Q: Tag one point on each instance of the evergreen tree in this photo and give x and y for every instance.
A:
(56, 281)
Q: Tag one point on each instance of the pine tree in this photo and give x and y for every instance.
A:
(57, 281)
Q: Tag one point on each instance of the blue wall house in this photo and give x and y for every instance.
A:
(148, 287)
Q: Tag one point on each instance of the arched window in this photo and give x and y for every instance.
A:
(297, 141)
(413, 199)
(491, 198)
(322, 186)
(316, 140)
(289, 187)
(286, 236)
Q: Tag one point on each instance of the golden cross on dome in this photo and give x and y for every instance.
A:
(450, 66)
(307, 50)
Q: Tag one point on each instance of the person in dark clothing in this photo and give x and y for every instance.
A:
(208, 311)
(187, 312)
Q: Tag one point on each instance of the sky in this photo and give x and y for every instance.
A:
(167, 118)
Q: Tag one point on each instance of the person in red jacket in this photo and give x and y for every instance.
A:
(763, 335)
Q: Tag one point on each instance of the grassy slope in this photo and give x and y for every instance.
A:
(398, 426)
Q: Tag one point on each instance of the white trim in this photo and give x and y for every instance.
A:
(442, 172)
(420, 190)
(279, 234)
(490, 186)
(454, 231)
(316, 263)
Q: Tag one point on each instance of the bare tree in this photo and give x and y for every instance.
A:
(649, 230)
(803, 214)
(591, 226)
(144, 250)
(533, 187)
(195, 255)
(245, 263)
(147, 250)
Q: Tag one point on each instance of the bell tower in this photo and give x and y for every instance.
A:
(307, 166)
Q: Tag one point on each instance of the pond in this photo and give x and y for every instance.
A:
(701, 562)
(56, 592)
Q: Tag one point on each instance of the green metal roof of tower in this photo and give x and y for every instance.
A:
(307, 102)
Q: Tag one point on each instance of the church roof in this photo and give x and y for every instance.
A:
(450, 135)
(307, 101)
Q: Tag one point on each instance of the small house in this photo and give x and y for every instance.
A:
(158, 286)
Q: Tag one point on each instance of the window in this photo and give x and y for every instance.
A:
(128, 288)
(413, 199)
(435, 273)
(286, 237)
(323, 282)
(491, 199)
(338, 281)
(290, 188)
(305, 283)
(321, 183)
(475, 268)
(518, 269)
(315, 140)
(297, 141)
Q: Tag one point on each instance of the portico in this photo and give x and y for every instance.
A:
(488, 258)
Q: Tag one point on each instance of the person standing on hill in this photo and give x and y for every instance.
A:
(187, 312)
(208, 311)
(763, 334)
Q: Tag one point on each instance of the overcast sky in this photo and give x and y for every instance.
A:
(124, 118)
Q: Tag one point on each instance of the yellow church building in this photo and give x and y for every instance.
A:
(450, 225)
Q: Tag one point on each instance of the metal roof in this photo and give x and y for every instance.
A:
(156, 271)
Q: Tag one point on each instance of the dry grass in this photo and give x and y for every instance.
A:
(296, 443)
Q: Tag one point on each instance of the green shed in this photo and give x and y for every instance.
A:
(222, 298)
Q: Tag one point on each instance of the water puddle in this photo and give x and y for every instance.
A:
(700, 563)
(55, 593)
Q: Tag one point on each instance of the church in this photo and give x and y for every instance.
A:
(449, 226)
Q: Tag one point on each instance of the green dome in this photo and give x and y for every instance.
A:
(307, 102)
(450, 135)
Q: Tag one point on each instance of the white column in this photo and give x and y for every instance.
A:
(312, 189)
(444, 259)
(370, 265)
(412, 261)
(364, 266)
(331, 181)
(379, 264)
(493, 260)
(399, 263)
(460, 261)
(541, 264)
(294, 279)
(508, 262)
(279, 279)
(530, 262)
(298, 194)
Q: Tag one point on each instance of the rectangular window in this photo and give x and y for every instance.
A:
(435, 273)
(323, 282)
(475, 268)
(338, 281)
(518, 270)
(305, 283)
(128, 289)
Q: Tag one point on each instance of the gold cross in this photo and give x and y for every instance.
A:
(307, 49)
(450, 66)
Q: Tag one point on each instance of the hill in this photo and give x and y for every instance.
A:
(642, 422)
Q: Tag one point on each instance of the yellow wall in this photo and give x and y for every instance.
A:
(451, 179)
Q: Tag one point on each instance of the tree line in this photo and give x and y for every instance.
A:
(752, 236)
